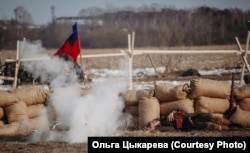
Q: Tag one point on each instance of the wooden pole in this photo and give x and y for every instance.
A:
(132, 45)
(243, 66)
(17, 65)
(81, 63)
(130, 62)
(152, 63)
(244, 57)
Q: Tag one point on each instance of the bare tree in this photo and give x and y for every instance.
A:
(93, 12)
(22, 15)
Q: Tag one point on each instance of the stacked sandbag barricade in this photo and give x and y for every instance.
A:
(210, 96)
(133, 99)
(173, 97)
(242, 114)
(7, 99)
(22, 110)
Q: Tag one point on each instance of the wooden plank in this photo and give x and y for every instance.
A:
(7, 78)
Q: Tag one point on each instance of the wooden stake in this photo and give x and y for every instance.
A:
(152, 63)
(243, 66)
(244, 57)
(130, 63)
(17, 65)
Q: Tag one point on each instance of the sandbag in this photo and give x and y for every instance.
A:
(132, 97)
(35, 110)
(51, 113)
(168, 93)
(7, 98)
(1, 113)
(32, 95)
(52, 116)
(185, 105)
(9, 129)
(245, 104)
(209, 88)
(242, 92)
(133, 110)
(129, 97)
(241, 117)
(132, 122)
(220, 115)
(39, 123)
(16, 112)
(2, 122)
(211, 105)
(149, 109)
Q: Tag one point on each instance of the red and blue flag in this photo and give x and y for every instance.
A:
(71, 46)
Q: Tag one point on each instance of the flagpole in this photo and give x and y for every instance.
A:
(81, 63)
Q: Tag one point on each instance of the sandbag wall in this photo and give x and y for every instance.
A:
(145, 105)
(172, 97)
(210, 96)
(23, 110)
(201, 95)
(242, 114)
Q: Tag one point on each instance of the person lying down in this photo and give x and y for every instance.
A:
(190, 121)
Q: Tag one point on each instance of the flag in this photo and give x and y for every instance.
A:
(71, 46)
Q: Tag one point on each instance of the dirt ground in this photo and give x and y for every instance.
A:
(21, 143)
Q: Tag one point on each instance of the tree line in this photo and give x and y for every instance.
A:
(154, 28)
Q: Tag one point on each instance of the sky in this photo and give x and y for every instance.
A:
(40, 10)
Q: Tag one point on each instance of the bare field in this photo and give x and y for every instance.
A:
(175, 64)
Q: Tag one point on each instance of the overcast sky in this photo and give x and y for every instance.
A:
(41, 9)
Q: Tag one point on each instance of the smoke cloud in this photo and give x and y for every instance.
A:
(94, 112)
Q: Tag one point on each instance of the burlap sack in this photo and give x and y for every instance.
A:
(168, 93)
(132, 122)
(241, 117)
(1, 113)
(245, 104)
(39, 123)
(209, 88)
(129, 97)
(149, 109)
(211, 105)
(1, 123)
(185, 105)
(35, 110)
(133, 110)
(9, 129)
(32, 95)
(7, 98)
(16, 112)
(220, 115)
(132, 97)
(144, 94)
(51, 114)
(242, 92)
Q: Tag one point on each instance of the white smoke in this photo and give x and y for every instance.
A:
(97, 112)
(55, 71)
